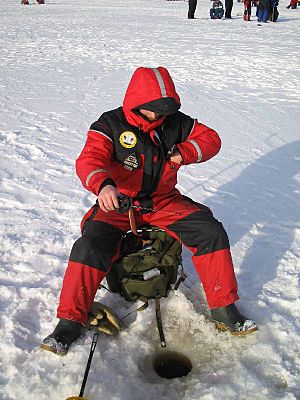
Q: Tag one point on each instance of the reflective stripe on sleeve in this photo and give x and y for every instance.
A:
(197, 147)
(101, 133)
(92, 174)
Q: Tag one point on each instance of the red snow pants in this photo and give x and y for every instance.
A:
(191, 223)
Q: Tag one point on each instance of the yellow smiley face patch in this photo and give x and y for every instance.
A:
(128, 139)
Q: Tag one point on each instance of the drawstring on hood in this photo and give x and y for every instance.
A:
(154, 86)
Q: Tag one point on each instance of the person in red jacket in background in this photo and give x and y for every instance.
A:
(26, 2)
(247, 9)
(136, 150)
(293, 4)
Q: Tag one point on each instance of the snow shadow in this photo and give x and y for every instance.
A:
(262, 206)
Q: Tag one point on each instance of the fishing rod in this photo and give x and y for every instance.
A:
(87, 369)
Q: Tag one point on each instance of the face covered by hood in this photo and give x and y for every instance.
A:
(151, 89)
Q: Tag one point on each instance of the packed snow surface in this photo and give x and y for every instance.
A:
(62, 65)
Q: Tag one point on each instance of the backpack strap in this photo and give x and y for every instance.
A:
(104, 287)
(182, 278)
(133, 308)
(159, 323)
(132, 221)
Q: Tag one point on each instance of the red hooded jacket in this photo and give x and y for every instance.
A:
(132, 152)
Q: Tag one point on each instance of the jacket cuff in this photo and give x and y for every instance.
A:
(95, 179)
(106, 182)
(189, 153)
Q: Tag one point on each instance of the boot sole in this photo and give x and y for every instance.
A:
(52, 350)
(224, 328)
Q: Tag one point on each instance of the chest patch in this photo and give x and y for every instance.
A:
(131, 162)
(128, 139)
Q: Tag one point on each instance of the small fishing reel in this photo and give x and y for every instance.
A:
(125, 202)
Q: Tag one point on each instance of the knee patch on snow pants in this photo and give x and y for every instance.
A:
(97, 246)
(202, 231)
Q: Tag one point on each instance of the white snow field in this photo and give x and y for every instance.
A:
(62, 65)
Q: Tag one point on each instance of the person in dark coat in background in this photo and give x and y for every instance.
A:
(228, 8)
(217, 10)
(263, 7)
(273, 11)
(192, 9)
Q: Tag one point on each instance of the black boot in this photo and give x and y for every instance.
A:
(65, 333)
(229, 319)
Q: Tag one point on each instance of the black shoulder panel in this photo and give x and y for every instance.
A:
(187, 124)
(176, 128)
(115, 119)
(106, 122)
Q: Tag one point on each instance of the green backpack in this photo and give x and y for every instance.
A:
(146, 269)
(147, 266)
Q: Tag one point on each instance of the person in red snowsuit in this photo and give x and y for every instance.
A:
(293, 4)
(247, 9)
(26, 2)
(136, 150)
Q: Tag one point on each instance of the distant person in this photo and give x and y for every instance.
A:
(247, 10)
(293, 4)
(192, 9)
(263, 7)
(228, 8)
(26, 2)
(273, 12)
(217, 10)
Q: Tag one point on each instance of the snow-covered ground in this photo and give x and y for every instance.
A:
(62, 65)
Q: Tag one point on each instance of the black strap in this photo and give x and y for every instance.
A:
(159, 323)
(104, 287)
(180, 279)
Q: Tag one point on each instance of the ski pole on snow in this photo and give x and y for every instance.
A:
(87, 369)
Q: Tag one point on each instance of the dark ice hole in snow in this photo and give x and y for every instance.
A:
(170, 364)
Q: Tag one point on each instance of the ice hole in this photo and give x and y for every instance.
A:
(170, 364)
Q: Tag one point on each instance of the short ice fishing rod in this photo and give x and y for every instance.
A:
(87, 370)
